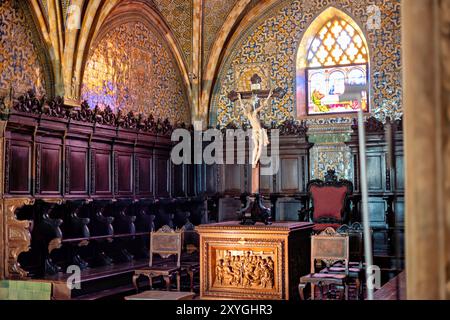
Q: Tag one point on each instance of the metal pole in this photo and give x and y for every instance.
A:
(365, 208)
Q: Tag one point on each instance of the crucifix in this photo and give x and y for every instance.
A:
(253, 208)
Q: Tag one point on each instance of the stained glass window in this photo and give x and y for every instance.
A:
(337, 69)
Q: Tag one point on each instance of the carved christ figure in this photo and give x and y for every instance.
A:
(259, 134)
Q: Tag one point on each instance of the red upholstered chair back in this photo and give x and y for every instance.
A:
(329, 201)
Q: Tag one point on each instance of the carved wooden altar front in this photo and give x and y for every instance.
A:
(253, 262)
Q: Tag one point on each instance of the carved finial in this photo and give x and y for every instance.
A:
(330, 176)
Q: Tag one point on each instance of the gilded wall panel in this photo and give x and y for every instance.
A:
(20, 68)
(131, 70)
(275, 40)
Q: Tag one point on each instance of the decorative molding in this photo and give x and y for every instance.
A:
(252, 271)
(7, 164)
(371, 125)
(388, 174)
(136, 174)
(277, 246)
(116, 172)
(18, 236)
(93, 187)
(55, 108)
(293, 128)
(67, 171)
(38, 168)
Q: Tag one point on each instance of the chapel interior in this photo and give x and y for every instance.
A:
(122, 175)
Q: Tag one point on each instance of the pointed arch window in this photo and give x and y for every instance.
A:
(336, 69)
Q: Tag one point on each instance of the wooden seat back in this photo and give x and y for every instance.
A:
(166, 242)
(329, 247)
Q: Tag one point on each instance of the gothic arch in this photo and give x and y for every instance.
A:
(115, 11)
(137, 30)
(238, 23)
(305, 44)
(39, 41)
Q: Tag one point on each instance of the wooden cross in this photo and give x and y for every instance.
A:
(253, 210)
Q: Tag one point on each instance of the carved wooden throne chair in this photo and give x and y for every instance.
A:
(330, 202)
(167, 243)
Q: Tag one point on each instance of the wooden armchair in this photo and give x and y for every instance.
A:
(328, 247)
(356, 271)
(166, 243)
(330, 202)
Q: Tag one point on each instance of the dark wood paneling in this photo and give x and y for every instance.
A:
(179, 183)
(266, 183)
(287, 209)
(124, 174)
(144, 175)
(189, 174)
(162, 177)
(19, 163)
(79, 159)
(377, 212)
(211, 179)
(234, 182)
(290, 175)
(50, 162)
(399, 209)
(375, 170)
(399, 173)
(78, 170)
(229, 209)
(102, 172)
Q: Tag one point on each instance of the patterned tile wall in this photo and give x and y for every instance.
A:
(274, 41)
(131, 70)
(215, 13)
(19, 61)
(178, 14)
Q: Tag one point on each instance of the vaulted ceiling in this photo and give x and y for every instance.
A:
(198, 33)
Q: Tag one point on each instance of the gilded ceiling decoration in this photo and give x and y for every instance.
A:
(215, 13)
(275, 39)
(44, 5)
(65, 5)
(178, 14)
(19, 62)
(131, 70)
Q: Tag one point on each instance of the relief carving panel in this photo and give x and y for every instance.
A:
(245, 269)
(18, 237)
